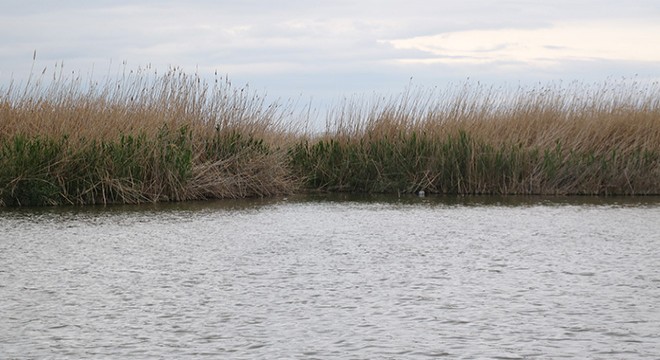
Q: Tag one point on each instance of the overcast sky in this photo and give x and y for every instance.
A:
(327, 49)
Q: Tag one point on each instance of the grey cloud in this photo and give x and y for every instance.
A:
(289, 45)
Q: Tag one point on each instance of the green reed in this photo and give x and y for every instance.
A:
(460, 164)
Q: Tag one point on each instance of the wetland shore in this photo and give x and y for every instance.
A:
(145, 137)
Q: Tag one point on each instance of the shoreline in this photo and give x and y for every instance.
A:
(174, 137)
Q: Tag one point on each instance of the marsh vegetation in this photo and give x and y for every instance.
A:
(146, 137)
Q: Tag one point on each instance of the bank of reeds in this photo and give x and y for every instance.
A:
(143, 137)
(561, 139)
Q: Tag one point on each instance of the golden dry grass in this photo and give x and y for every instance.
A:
(142, 137)
(561, 139)
(146, 137)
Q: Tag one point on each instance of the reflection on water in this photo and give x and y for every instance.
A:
(334, 277)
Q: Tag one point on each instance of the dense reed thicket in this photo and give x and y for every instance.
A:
(572, 139)
(145, 137)
(141, 138)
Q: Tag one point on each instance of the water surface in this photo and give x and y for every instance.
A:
(334, 277)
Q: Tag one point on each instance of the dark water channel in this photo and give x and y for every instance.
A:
(334, 277)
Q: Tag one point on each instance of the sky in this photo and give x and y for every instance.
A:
(322, 51)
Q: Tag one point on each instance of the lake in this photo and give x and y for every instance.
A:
(334, 277)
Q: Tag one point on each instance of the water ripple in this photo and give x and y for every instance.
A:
(329, 279)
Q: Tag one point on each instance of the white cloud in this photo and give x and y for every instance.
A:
(583, 41)
(321, 47)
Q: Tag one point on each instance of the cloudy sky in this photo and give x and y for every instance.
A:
(323, 50)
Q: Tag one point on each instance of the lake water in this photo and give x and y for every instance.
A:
(334, 277)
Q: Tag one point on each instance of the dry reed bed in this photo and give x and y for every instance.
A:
(141, 138)
(562, 139)
(146, 137)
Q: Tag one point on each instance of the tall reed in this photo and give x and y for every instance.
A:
(140, 138)
(560, 139)
(145, 137)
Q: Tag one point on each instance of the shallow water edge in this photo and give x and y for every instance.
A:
(336, 276)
